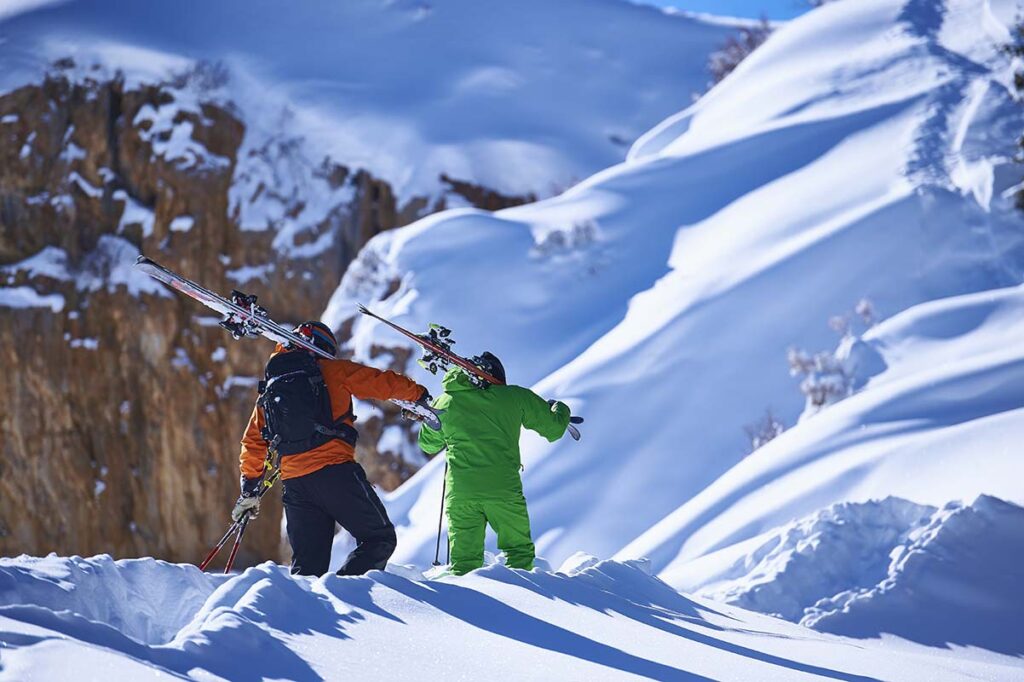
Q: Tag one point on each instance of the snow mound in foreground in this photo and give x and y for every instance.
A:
(146, 599)
(935, 576)
(591, 620)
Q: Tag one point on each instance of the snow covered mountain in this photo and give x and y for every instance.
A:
(257, 146)
(517, 97)
(934, 576)
(863, 152)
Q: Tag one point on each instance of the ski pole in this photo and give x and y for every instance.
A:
(235, 526)
(238, 543)
(440, 516)
(218, 547)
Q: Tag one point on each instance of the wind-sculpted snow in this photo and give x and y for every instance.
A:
(147, 600)
(591, 620)
(935, 576)
(942, 421)
(863, 151)
(956, 581)
(786, 571)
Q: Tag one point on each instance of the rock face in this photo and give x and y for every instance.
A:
(120, 404)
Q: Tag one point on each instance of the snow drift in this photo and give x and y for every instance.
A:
(863, 151)
(935, 576)
(957, 581)
(591, 620)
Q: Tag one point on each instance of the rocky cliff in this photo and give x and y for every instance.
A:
(120, 404)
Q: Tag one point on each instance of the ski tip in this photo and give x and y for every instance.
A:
(574, 432)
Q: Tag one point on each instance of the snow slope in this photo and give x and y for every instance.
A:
(519, 97)
(938, 577)
(590, 621)
(863, 151)
(942, 421)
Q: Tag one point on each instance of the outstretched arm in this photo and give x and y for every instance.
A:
(549, 421)
(374, 384)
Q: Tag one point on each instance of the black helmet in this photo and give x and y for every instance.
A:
(320, 334)
(489, 362)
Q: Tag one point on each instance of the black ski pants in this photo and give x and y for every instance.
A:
(337, 493)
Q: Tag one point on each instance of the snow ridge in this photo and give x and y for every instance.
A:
(591, 620)
(934, 576)
(954, 581)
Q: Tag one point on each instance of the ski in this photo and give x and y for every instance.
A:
(437, 345)
(244, 317)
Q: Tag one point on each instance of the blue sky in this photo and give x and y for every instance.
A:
(773, 9)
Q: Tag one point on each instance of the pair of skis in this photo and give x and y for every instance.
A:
(437, 343)
(244, 317)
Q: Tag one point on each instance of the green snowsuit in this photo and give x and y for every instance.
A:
(480, 428)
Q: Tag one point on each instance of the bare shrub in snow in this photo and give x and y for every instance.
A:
(865, 309)
(736, 48)
(826, 378)
(840, 324)
(763, 431)
(559, 241)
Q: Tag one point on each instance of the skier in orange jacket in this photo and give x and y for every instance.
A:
(305, 414)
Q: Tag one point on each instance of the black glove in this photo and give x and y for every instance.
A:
(251, 486)
(424, 400)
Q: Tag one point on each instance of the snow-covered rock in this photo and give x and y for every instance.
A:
(518, 97)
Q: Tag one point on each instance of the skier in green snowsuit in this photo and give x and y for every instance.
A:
(481, 427)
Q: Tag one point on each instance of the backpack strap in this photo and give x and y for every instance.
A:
(339, 429)
(343, 432)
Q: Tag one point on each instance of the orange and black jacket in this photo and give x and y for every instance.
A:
(344, 380)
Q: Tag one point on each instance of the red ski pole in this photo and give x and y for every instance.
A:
(240, 524)
(217, 548)
(238, 542)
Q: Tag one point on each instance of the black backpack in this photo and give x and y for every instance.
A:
(297, 407)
